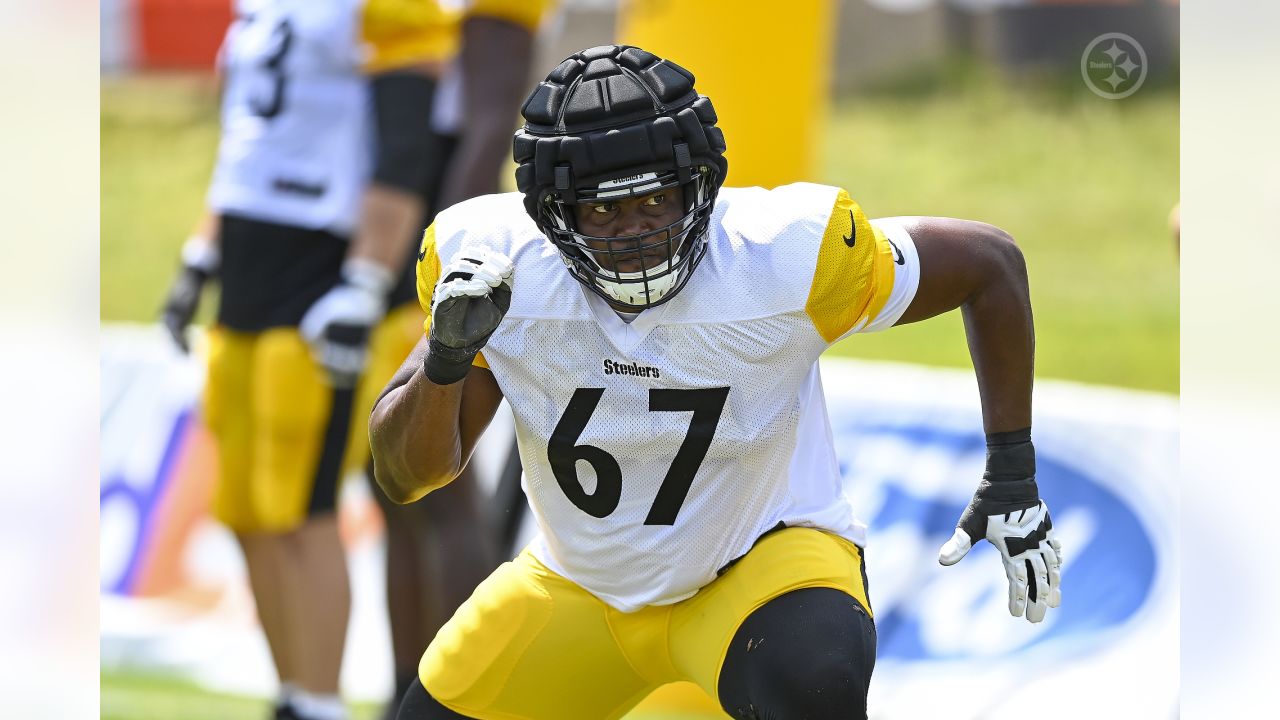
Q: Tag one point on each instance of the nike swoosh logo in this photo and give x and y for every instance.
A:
(852, 238)
(897, 254)
(422, 254)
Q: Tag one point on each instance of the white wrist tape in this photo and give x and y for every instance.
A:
(368, 275)
(202, 254)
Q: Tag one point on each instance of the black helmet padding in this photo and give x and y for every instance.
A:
(609, 112)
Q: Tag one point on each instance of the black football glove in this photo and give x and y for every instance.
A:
(1008, 512)
(473, 295)
(199, 265)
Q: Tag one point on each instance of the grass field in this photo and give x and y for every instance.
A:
(127, 696)
(1084, 184)
(141, 697)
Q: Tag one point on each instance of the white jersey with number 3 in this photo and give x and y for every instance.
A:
(295, 115)
(658, 451)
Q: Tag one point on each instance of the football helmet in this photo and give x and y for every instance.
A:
(616, 122)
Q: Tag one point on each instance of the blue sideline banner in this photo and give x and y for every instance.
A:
(912, 450)
(910, 447)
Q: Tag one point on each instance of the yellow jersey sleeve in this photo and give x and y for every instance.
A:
(854, 274)
(399, 33)
(428, 273)
(526, 13)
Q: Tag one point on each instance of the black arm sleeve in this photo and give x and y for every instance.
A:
(405, 145)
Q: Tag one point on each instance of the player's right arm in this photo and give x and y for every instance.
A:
(423, 433)
(428, 419)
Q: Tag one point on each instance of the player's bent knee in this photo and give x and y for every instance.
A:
(806, 654)
(820, 687)
(828, 688)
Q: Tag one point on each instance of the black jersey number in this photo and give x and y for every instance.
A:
(273, 64)
(563, 452)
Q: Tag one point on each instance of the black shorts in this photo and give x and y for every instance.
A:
(272, 273)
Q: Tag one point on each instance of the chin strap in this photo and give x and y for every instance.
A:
(634, 293)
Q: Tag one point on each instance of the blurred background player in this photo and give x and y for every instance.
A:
(440, 549)
(307, 233)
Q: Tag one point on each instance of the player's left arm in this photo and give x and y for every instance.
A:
(404, 152)
(402, 86)
(979, 269)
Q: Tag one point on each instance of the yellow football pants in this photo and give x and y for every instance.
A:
(281, 448)
(532, 645)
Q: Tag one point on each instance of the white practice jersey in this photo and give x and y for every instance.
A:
(658, 451)
(296, 133)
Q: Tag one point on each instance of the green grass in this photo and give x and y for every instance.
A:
(130, 696)
(1084, 184)
(158, 142)
(134, 696)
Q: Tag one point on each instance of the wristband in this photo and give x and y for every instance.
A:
(446, 365)
(1010, 456)
(1009, 482)
(201, 255)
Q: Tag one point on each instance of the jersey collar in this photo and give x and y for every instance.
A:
(625, 336)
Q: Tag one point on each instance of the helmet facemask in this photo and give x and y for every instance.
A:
(594, 260)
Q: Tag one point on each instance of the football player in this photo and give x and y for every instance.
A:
(308, 230)
(657, 337)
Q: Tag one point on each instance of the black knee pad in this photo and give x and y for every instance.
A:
(805, 655)
(419, 705)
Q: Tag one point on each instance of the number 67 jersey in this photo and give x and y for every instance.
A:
(656, 452)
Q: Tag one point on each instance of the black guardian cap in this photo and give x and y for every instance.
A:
(613, 122)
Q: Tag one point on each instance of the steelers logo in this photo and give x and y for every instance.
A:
(1114, 66)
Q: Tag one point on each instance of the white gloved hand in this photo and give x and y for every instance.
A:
(1032, 557)
(338, 325)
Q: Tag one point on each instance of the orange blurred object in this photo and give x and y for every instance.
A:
(180, 33)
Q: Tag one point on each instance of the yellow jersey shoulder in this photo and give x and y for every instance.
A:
(526, 13)
(399, 33)
(853, 272)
